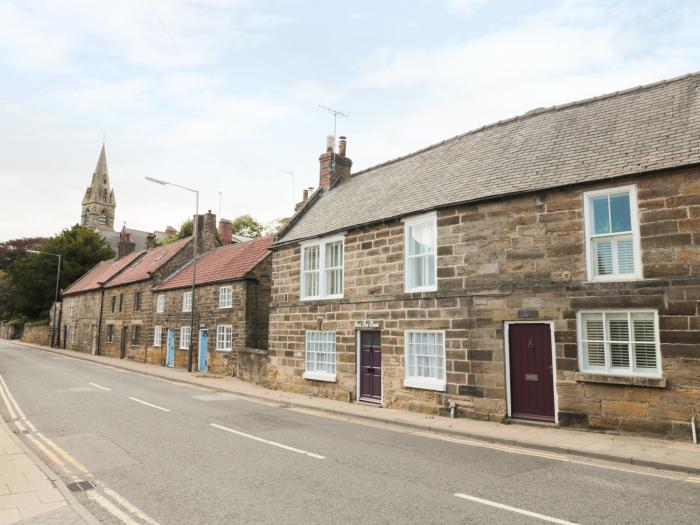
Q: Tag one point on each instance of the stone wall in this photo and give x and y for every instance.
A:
(36, 333)
(495, 260)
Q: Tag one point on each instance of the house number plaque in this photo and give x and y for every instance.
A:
(367, 323)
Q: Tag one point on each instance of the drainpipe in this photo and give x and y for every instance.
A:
(99, 321)
(692, 427)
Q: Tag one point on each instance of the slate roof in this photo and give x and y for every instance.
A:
(227, 263)
(643, 129)
(101, 273)
(149, 263)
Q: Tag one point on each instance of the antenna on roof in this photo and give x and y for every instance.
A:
(336, 113)
(219, 205)
(294, 194)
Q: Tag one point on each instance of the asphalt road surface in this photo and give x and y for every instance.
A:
(162, 452)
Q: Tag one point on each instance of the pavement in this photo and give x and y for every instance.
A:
(29, 491)
(158, 449)
(656, 453)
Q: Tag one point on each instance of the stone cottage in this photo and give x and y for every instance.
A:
(546, 267)
(127, 308)
(82, 302)
(231, 312)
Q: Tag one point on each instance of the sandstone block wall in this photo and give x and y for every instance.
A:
(496, 259)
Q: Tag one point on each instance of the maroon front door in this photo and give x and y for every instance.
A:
(370, 366)
(531, 379)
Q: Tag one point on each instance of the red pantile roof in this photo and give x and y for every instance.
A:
(149, 263)
(101, 273)
(227, 263)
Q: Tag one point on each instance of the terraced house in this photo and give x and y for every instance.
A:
(231, 312)
(127, 308)
(82, 303)
(544, 267)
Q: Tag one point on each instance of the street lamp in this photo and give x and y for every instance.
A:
(55, 298)
(194, 258)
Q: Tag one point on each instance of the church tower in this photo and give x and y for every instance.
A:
(99, 203)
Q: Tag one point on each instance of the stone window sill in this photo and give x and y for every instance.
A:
(652, 382)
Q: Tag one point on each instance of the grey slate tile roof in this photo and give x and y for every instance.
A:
(647, 128)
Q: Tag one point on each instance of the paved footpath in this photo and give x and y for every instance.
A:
(657, 453)
(30, 492)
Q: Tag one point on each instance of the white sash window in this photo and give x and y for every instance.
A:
(322, 266)
(425, 359)
(185, 337)
(612, 234)
(157, 335)
(421, 253)
(224, 337)
(320, 356)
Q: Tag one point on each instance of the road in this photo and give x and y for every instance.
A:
(163, 452)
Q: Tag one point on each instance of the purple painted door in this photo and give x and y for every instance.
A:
(531, 379)
(370, 366)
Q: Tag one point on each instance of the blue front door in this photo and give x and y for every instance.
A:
(203, 349)
(170, 354)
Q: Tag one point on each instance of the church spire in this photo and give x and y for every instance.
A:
(99, 203)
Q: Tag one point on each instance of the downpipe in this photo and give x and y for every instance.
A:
(692, 428)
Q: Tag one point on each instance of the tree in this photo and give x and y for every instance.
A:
(246, 226)
(184, 231)
(28, 290)
(10, 250)
(275, 226)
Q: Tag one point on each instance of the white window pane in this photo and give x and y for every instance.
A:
(601, 215)
(620, 215)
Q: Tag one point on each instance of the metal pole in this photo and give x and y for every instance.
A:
(55, 298)
(195, 234)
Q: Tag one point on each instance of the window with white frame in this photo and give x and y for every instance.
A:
(224, 337)
(322, 268)
(157, 335)
(320, 356)
(187, 301)
(421, 253)
(160, 303)
(425, 359)
(612, 234)
(226, 297)
(185, 337)
(619, 343)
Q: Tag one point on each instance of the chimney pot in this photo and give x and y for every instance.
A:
(330, 143)
(342, 148)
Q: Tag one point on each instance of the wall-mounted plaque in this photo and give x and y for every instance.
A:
(367, 324)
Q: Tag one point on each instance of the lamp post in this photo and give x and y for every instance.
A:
(195, 232)
(55, 297)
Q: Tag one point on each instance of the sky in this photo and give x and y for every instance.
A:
(223, 95)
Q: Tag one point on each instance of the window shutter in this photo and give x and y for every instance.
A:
(644, 343)
(625, 255)
(619, 343)
(595, 342)
(603, 257)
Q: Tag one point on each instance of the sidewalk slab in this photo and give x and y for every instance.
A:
(30, 492)
(657, 453)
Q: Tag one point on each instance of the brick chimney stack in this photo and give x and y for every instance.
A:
(150, 241)
(225, 231)
(307, 193)
(334, 166)
(206, 232)
(125, 246)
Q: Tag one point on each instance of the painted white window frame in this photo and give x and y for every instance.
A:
(185, 335)
(160, 303)
(320, 375)
(634, 222)
(408, 223)
(224, 338)
(322, 281)
(157, 335)
(226, 297)
(425, 383)
(187, 301)
(609, 370)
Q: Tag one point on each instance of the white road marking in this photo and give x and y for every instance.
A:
(268, 442)
(100, 387)
(490, 503)
(110, 507)
(149, 404)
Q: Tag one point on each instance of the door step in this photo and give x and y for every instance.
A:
(532, 422)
